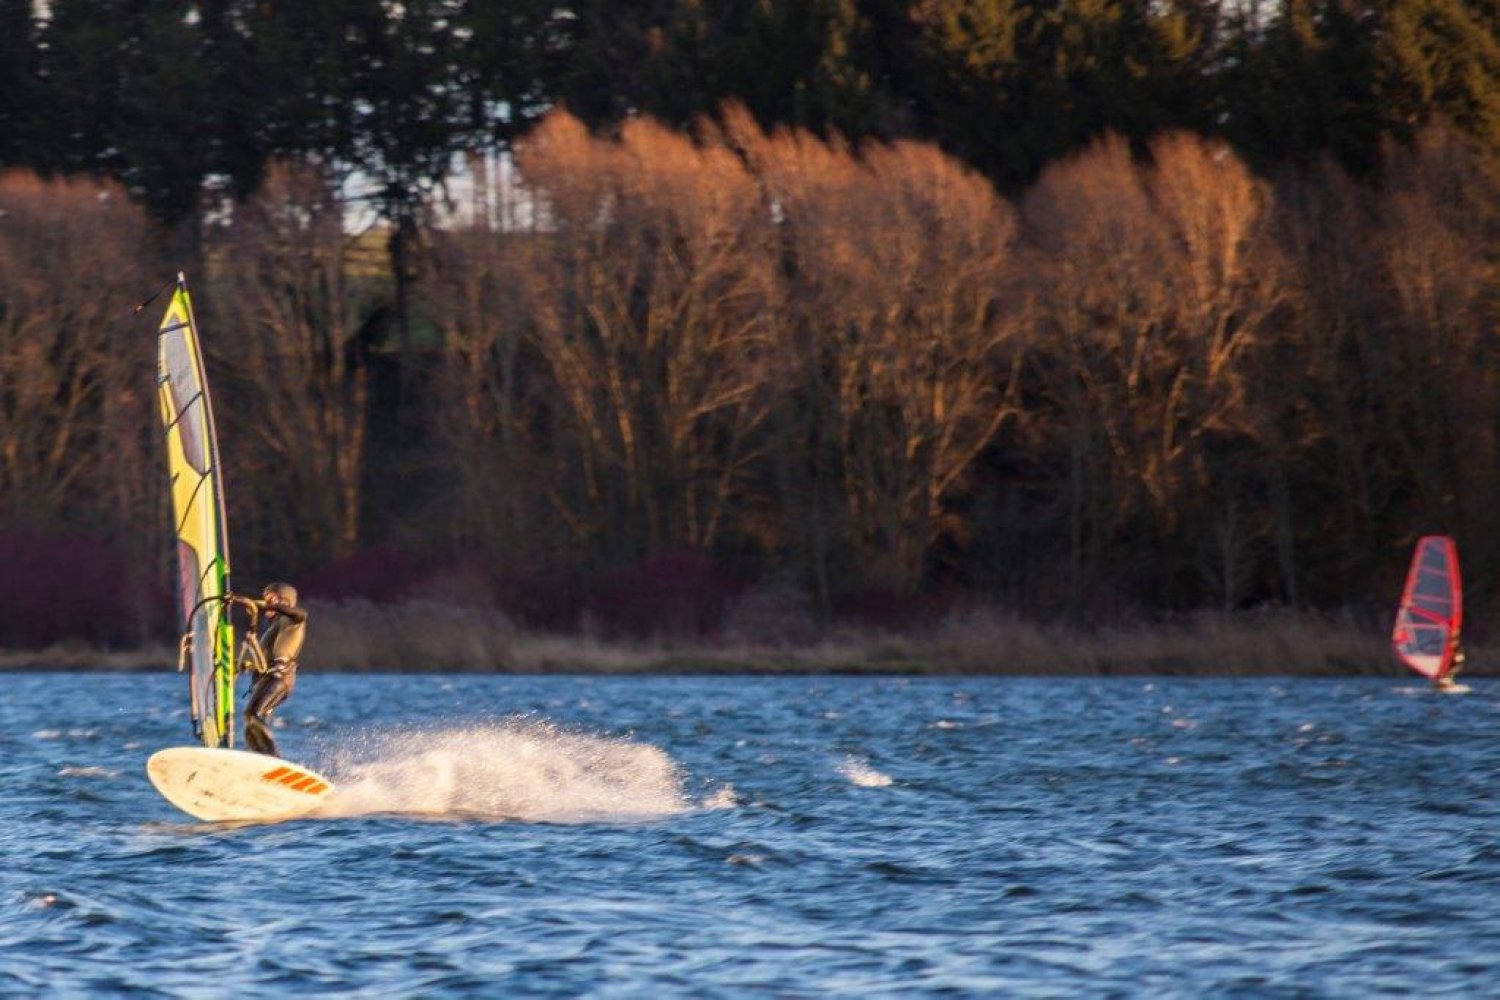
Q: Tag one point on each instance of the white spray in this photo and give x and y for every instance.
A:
(517, 769)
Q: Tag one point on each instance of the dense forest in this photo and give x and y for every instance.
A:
(637, 316)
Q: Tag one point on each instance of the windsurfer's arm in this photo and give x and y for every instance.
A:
(294, 613)
(244, 602)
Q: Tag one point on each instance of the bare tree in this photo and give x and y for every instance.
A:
(1232, 290)
(1154, 283)
(1439, 270)
(289, 314)
(485, 414)
(75, 386)
(1398, 422)
(896, 262)
(1092, 254)
(78, 426)
(1331, 442)
(652, 296)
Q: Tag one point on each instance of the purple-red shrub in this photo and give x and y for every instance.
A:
(889, 609)
(675, 594)
(381, 575)
(388, 576)
(58, 588)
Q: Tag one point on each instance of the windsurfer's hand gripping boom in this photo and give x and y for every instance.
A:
(272, 604)
(252, 658)
(250, 604)
(189, 635)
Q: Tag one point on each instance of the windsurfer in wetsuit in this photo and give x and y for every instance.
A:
(281, 635)
(1446, 682)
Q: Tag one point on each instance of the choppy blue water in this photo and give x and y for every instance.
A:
(794, 836)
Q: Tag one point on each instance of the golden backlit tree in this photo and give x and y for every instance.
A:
(1151, 287)
(896, 259)
(652, 300)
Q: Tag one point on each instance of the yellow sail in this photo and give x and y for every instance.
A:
(197, 488)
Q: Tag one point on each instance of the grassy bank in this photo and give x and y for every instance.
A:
(356, 636)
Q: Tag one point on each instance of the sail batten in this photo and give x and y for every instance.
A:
(1430, 616)
(202, 544)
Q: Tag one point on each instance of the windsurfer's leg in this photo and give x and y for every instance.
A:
(268, 692)
(258, 737)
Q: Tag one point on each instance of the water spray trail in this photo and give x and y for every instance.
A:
(515, 770)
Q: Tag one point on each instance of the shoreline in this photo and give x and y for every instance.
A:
(355, 637)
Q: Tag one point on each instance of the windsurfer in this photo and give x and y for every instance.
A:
(280, 639)
(1446, 682)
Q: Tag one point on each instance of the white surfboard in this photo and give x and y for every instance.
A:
(234, 785)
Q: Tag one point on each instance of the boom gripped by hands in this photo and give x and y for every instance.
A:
(252, 658)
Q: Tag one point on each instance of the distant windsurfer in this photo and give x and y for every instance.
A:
(1445, 681)
(280, 640)
(1431, 614)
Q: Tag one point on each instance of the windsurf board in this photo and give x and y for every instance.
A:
(220, 786)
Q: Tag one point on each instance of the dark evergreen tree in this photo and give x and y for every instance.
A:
(1439, 59)
(297, 69)
(86, 48)
(167, 134)
(410, 121)
(605, 47)
(967, 54)
(1341, 75)
(512, 60)
(810, 63)
(409, 112)
(1299, 83)
(18, 81)
(1013, 84)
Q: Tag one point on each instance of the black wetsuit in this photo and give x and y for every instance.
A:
(281, 640)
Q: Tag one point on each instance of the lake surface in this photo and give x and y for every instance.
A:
(788, 836)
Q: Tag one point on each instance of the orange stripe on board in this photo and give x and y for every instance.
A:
(297, 781)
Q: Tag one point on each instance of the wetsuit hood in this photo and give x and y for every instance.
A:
(285, 591)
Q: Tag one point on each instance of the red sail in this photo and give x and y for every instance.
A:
(1432, 609)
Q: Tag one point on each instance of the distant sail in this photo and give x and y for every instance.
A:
(197, 488)
(1432, 609)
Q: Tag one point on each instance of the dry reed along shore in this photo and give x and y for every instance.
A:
(417, 637)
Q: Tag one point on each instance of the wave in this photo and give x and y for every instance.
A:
(862, 774)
